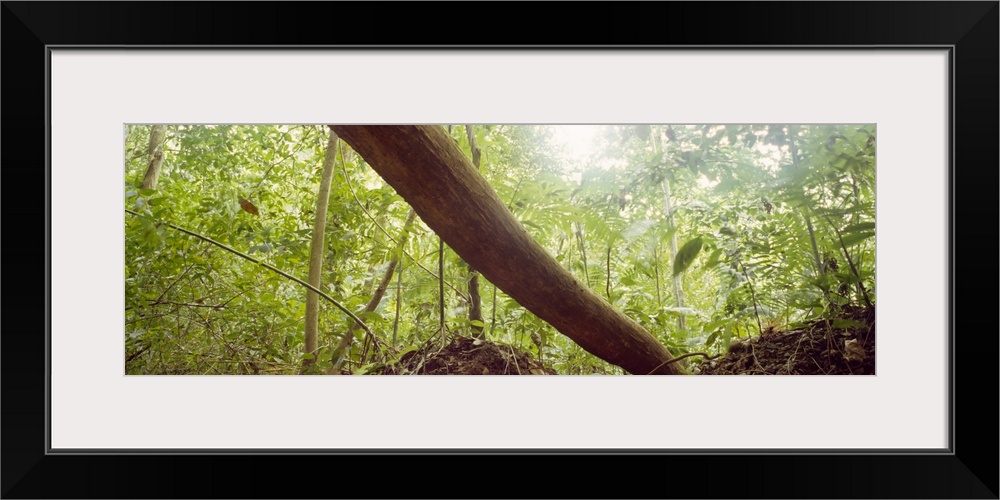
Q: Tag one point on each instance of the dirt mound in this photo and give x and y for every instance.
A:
(466, 356)
(843, 346)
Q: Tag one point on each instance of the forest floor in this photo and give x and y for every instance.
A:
(841, 346)
(466, 356)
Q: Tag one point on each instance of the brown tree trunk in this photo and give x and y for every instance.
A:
(154, 156)
(431, 173)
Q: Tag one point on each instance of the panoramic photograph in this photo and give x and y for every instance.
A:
(499, 249)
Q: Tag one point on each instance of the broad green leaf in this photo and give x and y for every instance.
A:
(727, 338)
(846, 323)
(716, 324)
(864, 226)
(714, 258)
(364, 369)
(711, 339)
(406, 351)
(855, 238)
(686, 255)
(532, 224)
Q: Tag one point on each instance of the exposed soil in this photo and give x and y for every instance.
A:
(466, 356)
(845, 346)
(824, 348)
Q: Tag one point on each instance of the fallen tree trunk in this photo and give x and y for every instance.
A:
(429, 171)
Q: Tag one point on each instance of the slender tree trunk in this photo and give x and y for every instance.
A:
(607, 277)
(493, 311)
(154, 156)
(383, 285)
(441, 324)
(583, 253)
(678, 287)
(399, 302)
(656, 273)
(668, 207)
(431, 173)
(316, 251)
(475, 304)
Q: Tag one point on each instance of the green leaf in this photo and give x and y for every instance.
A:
(406, 351)
(364, 369)
(856, 228)
(855, 238)
(714, 258)
(686, 255)
(711, 339)
(308, 355)
(846, 323)
(716, 324)
(532, 224)
(476, 322)
(370, 316)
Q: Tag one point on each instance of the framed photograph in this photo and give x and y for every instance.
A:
(149, 390)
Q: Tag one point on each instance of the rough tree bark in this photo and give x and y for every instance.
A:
(316, 252)
(431, 173)
(154, 156)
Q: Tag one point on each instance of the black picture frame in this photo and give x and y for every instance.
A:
(969, 31)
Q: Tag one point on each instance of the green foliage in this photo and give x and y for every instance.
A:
(784, 210)
(686, 254)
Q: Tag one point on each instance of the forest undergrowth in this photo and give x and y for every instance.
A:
(844, 345)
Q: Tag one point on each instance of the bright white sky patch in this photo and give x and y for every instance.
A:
(579, 142)
(705, 182)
